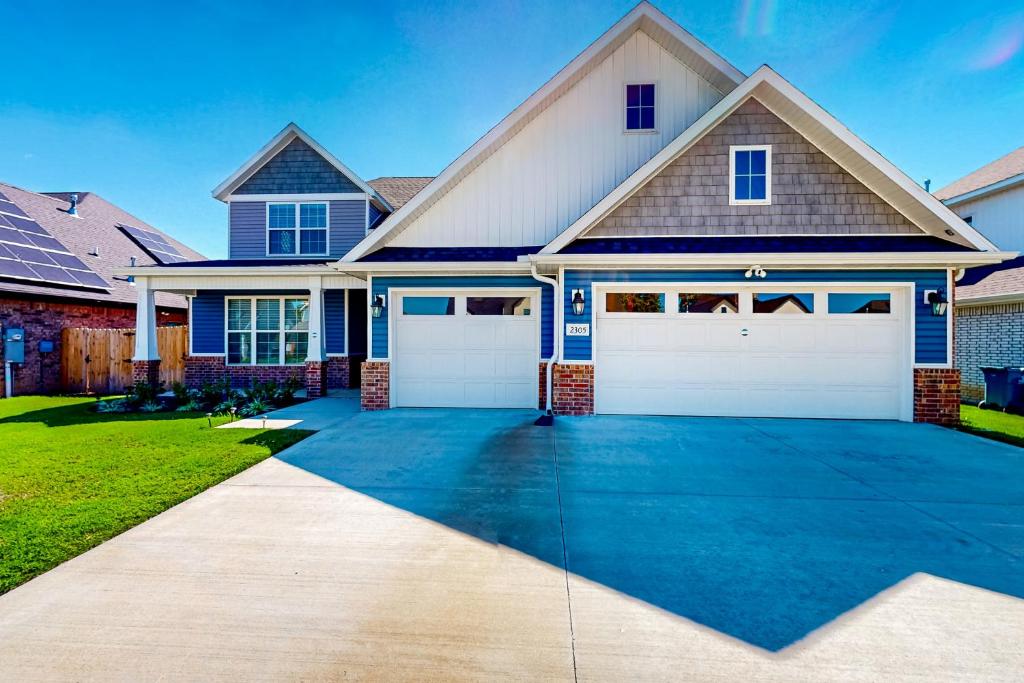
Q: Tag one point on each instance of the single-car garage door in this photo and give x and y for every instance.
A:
(464, 349)
(797, 351)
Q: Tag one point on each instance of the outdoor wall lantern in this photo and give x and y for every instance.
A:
(377, 307)
(579, 304)
(939, 302)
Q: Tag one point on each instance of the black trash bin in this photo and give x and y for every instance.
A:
(1003, 389)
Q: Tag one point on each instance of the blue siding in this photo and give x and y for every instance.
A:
(381, 285)
(334, 320)
(247, 230)
(348, 225)
(375, 216)
(297, 169)
(930, 331)
(208, 322)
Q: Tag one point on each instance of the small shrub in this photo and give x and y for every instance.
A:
(182, 394)
(224, 407)
(192, 406)
(143, 392)
(115, 405)
(288, 389)
(150, 407)
(254, 407)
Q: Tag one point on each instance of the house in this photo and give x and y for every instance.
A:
(58, 253)
(551, 264)
(990, 300)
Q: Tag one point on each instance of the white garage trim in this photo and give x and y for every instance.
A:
(902, 298)
(529, 397)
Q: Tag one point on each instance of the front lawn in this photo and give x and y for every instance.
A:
(71, 478)
(993, 424)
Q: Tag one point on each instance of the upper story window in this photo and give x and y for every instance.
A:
(297, 228)
(640, 107)
(750, 174)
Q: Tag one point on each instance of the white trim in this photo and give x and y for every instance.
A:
(992, 188)
(625, 106)
(992, 299)
(191, 327)
(297, 229)
(280, 331)
(270, 150)
(310, 197)
(834, 139)
(950, 313)
(441, 267)
(369, 319)
(838, 261)
(908, 289)
(767, 149)
(684, 46)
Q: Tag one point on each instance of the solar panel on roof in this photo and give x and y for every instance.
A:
(28, 252)
(154, 244)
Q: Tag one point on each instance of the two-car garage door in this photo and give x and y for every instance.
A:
(769, 352)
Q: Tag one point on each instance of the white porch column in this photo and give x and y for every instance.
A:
(145, 322)
(315, 352)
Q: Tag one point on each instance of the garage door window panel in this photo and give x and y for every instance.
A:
(853, 303)
(635, 302)
(498, 305)
(428, 305)
(718, 303)
(783, 303)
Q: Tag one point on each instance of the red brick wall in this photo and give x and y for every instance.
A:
(937, 396)
(375, 385)
(202, 369)
(316, 378)
(573, 389)
(338, 375)
(146, 371)
(44, 319)
(542, 389)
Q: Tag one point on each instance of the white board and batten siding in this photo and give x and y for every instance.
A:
(999, 216)
(568, 157)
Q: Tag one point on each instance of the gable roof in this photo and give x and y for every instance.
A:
(860, 160)
(1001, 173)
(272, 148)
(95, 229)
(399, 190)
(644, 17)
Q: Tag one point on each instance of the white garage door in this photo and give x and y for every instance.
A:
(465, 349)
(756, 352)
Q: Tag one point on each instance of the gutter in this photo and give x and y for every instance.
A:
(548, 418)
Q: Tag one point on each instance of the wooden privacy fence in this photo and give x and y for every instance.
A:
(100, 361)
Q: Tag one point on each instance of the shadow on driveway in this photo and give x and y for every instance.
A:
(764, 530)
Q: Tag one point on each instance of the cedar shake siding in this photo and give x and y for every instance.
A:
(248, 228)
(297, 169)
(811, 194)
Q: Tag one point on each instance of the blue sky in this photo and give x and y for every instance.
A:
(152, 107)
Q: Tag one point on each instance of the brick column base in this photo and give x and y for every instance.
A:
(316, 378)
(573, 389)
(147, 371)
(375, 385)
(937, 396)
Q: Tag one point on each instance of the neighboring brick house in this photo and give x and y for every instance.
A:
(75, 285)
(652, 231)
(990, 299)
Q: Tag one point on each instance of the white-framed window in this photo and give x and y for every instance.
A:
(267, 330)
(297, 228)
(750, 174)
(640, 115)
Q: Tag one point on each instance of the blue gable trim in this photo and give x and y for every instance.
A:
(450, 254)
(382, 284)
(761, 244)
(930, 331)
(297, 169)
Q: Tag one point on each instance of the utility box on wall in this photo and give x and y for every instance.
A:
(14, 345)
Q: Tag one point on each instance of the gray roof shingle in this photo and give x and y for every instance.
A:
(398, 190)
(1002, 168)
(96, 228)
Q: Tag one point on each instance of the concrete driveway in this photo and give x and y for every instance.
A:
(441, 544)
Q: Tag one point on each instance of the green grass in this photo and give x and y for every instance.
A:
(71, 478)
(993, 424)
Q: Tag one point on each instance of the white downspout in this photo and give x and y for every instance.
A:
(557, 297)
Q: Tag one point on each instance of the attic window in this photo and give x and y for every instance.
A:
(750, 174)
(640, 107)
(297, 229)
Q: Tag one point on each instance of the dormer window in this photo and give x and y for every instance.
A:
(297, 229)
(750, 174)
(640, 107)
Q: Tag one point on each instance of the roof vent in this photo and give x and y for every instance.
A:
(73, 209)
(95, 251)
(927, 185)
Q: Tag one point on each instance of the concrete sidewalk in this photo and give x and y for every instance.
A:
(469, 545)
